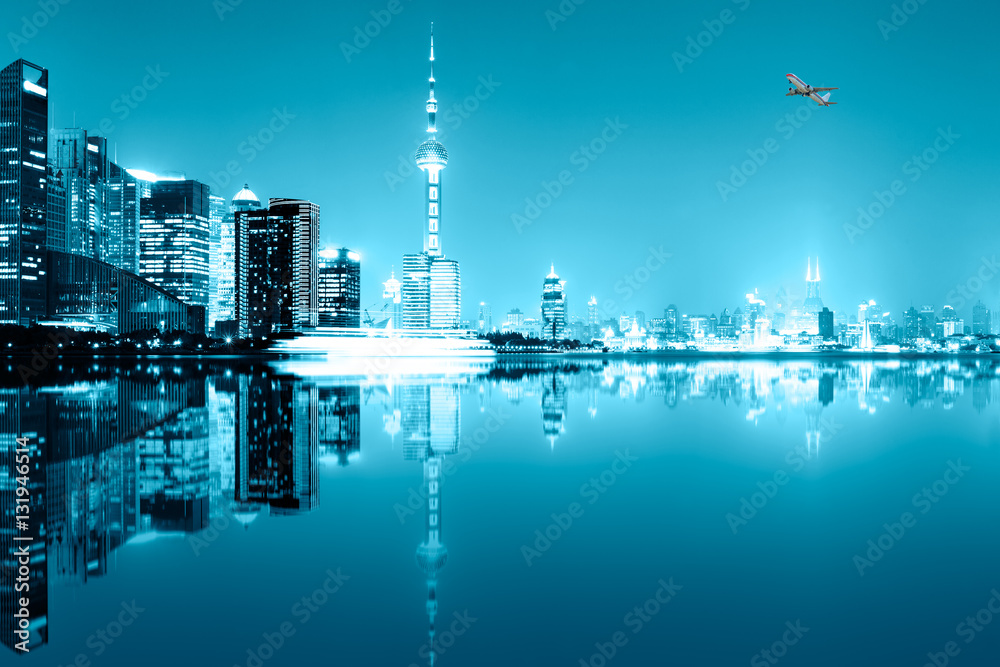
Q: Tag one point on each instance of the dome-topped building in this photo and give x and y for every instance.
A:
(245, 198)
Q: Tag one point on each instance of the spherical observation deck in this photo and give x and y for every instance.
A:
(431, 153)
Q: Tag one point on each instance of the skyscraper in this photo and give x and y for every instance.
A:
(825, 323)
(216, 214)
(277, 268)
(392, 292)
(122, 210)
(245, 200)
(173, 239)
(911, 323)
(24, 119)
(432, 284)
(81, 162)
(553, 307)
(339, 288)
(446, 293)
(593, 317)
(980, 319)
(812, 306)
(928, 320)
(485, 318)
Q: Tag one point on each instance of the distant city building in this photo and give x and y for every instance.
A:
(806, 317)
(485, 324)
(640, 319)
(624, 323)
(174, 239)
(928, 320)
(911, 324)
(339, 288)
(393, 294)
(553, 307)
(756, 309)
(670, 315)
(981, 319)
(825, 323)
(277, 269)
(725, 327)
(950, 323)
(593, 316)
(515, 320)
(738, 321)
(24, 124)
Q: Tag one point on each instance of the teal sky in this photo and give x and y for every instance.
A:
(657, 184)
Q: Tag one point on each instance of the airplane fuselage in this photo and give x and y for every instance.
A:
(800, 87)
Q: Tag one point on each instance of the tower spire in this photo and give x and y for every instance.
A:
(431, 102)
(817, 269)
(809, 269)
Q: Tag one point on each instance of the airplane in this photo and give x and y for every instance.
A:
(800, 87)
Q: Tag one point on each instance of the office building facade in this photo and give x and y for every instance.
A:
(339, 288)
(23, 195)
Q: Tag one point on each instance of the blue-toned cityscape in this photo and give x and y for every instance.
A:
(700, 364)
(94, 246)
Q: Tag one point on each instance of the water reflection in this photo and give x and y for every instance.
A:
(123, 452)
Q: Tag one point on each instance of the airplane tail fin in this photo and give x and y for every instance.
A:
(826, 97)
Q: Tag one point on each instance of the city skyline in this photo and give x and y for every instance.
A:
(792, 206)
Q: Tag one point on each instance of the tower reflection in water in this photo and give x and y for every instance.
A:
(141, 449)
(430, 430)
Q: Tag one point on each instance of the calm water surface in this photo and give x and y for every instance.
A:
(524, 513)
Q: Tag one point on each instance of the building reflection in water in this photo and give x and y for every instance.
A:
(277, 443)
(148, 448)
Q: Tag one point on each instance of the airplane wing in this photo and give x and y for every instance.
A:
(826, 89)
(787, 94)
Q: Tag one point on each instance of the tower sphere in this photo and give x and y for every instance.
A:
(431, 153)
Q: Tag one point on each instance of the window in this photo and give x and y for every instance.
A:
(432, 224)
(434, 241)
(432, 176)
(434, 209)
(433, 194)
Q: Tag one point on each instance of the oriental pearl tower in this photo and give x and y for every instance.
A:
(432, 157)
(432, 284)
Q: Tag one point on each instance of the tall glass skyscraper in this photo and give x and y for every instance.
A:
(122, 208)
(432, 284)
(217, 210)
(174, 236)
(339, 288)
(81, 164)
(24, 119)
(980, 319)
(553, 307)
(245, 200)
(277, 269)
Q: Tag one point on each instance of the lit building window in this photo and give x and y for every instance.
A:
(432, 176)
(434, 241)
(434, 210)
(433, 224)
(433, 193)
